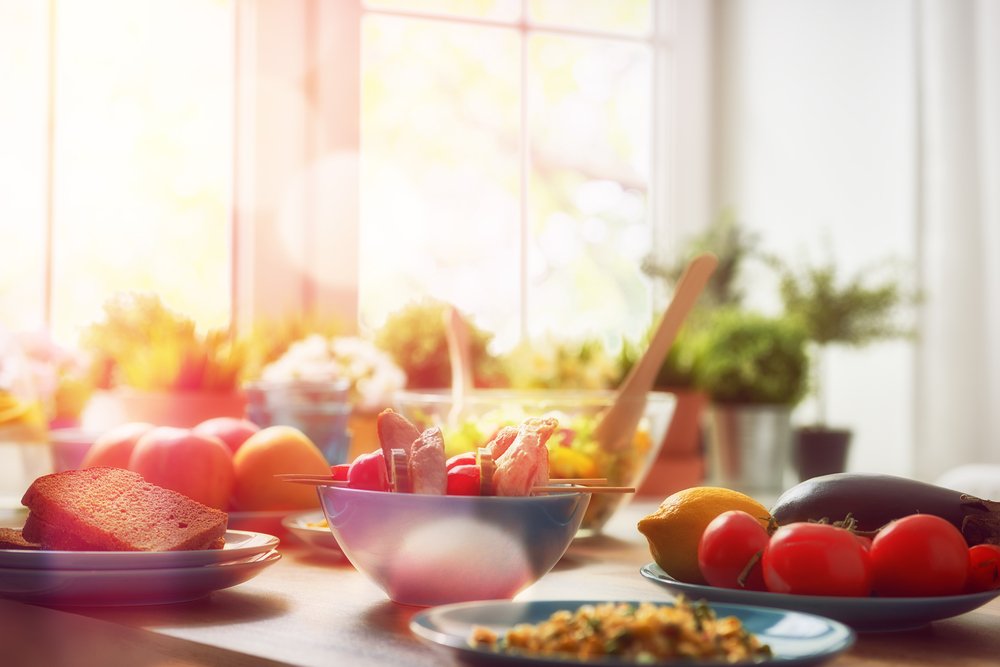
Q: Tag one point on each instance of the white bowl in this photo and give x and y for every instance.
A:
(427, 550)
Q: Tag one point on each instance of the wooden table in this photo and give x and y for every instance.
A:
(309, 609)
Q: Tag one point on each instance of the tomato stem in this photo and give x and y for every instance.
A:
(745, 572)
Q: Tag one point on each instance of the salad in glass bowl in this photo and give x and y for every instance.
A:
(573, 450)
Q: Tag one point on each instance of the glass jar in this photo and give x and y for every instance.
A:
(319, 409)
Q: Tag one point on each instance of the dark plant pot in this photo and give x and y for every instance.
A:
(820, 451)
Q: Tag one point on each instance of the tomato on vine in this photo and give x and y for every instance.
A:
(919, 555)
(816, 559)
(729, 551)
(984, 568)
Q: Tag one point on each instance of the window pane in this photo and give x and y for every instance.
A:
(484, 9)
(143, 156)
(590, 141)
(440, 169)
(24, 72)
(625, 16)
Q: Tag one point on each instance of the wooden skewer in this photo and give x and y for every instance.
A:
(592, 484)
(588, 489)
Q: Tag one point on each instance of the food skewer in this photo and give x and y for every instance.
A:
(593, 485)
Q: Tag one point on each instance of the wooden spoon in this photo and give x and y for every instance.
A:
(615, 430)
(459, 353)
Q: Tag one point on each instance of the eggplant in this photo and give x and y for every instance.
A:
(872, 500)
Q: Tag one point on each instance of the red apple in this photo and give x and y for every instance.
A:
(114, 447)
(231, 430)
(199, 466)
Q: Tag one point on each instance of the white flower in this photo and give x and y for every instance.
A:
(373, 375)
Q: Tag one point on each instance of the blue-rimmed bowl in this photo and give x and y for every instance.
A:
(427, 550)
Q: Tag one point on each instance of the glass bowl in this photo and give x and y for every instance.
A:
(427, 550)
(573, 452)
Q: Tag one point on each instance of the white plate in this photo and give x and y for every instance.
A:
(795, 638)
(239, 544)
(318, 537)
(869, 614)
(106, 588)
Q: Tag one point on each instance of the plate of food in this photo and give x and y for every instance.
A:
(312, 529)
(866, 614)
(630, 632)
(234, 545)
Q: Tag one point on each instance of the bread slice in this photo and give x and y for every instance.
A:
(54, 538)
(12, 538)
(111, 509)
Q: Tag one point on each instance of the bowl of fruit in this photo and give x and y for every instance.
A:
(429, 529)
(573, 450)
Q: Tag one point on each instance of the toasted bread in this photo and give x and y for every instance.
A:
(111, 509)
(12, 538)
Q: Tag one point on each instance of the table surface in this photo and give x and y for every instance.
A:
(314, 609)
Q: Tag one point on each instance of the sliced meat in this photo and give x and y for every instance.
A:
(394, 432)
(427, 463)
(525, 464)
(501, 441)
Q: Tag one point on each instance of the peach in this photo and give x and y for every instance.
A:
(113, 448)
(231, 430)
(199, 466)
(270, 451)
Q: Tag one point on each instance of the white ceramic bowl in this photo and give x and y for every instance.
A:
(427, 550)
(572, 450)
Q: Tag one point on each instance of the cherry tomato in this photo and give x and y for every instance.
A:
(465, 458)
(816, 559)
(984, 568)
(864, 541)
(919, 555)
(463, 480)
(339, 471)
(368, 472)
(726, 548)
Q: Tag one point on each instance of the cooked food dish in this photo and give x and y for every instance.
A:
(111, 509)
(645, 633)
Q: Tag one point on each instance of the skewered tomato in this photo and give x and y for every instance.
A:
(463, 480)
(368, 472)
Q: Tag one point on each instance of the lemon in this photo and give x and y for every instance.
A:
(674, 529)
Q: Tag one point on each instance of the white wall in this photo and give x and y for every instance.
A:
(817, 126)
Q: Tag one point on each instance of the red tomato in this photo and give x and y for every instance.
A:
(465, 458)
(730, 542)
(919, 555)
(463, 480)
(339, 471)
(368, 472)
(816, 559)
(984, 568)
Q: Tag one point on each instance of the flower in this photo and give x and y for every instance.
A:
(373, 375)
(60, 376)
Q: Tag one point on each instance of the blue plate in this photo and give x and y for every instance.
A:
(870, 614)
(794, 638)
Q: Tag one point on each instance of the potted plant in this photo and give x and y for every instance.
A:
(160, 367)
(414, 336)
(853, 312)
(754, 369)
(681, 462)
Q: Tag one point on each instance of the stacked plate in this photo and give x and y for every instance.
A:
(117, 578)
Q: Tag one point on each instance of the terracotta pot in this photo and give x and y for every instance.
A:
(680, 463)
(179, 408)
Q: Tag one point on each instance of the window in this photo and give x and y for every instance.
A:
(261, 159)
(119, 168)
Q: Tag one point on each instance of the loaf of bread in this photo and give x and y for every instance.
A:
(111, 509)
